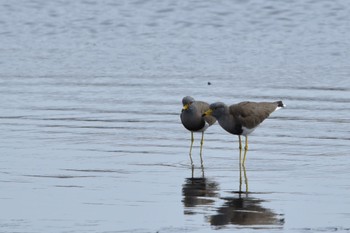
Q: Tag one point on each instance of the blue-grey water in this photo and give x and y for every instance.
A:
(90, 133)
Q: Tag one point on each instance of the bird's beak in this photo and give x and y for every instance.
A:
(185, 107)
(208, 112)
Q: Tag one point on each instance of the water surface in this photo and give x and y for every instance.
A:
(90, 134)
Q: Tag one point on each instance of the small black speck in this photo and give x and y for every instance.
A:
(209, 83)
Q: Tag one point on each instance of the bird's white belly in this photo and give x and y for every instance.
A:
(247, 131)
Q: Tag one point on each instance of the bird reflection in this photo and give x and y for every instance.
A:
(202, 195)
(242, 209)
(246, 211)
(198, 191)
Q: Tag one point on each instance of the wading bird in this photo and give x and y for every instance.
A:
(193, 119)
(242, 118)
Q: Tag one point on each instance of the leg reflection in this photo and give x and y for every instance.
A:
(192, 139)
(240, 171)
(192, 172)
(242, 166)
(245, 173)
(200, 153)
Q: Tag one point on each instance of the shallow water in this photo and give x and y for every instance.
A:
(90, 134)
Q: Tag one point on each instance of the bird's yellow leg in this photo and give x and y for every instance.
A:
(202, 140)
(240, 142)
(244, 157)
(192, 139)
(246, 143)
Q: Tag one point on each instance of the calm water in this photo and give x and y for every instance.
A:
(90, 134)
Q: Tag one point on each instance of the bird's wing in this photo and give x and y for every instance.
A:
(251, 114)
(203, 107)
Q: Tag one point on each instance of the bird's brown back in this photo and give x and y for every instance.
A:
(251, 114)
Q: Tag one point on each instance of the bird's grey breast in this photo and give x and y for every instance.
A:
(192, 120)
(230, 124)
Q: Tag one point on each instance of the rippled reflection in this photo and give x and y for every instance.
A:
(244, 210)
(198, 191)
(239, 208)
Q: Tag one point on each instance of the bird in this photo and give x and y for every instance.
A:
(193, 119)
(242, 118)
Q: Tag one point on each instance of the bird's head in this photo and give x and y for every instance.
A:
(216, 110)
(186, 102)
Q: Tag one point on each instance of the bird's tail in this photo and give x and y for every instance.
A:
(280, 105)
